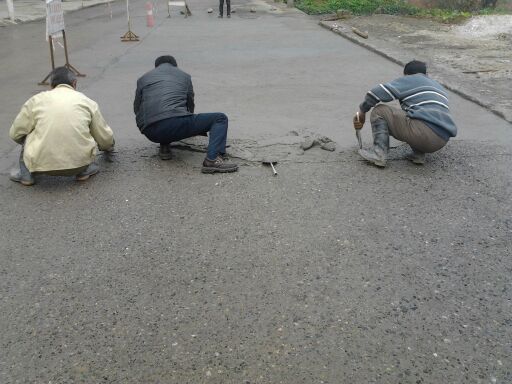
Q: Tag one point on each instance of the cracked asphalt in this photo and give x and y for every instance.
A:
(332, 272)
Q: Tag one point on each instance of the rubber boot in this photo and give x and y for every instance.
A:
(416, 157)
(378, 154)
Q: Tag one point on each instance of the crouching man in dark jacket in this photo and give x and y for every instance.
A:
(164, 110)
(423, 121)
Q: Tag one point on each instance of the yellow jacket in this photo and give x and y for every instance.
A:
(60, 128)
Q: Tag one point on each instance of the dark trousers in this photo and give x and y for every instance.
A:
(228, 7)
(178, 128)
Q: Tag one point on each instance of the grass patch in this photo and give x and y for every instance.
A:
(391, 7)
(357, 7)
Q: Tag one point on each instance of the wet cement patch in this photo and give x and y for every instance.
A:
(289, 148)
(332, 272)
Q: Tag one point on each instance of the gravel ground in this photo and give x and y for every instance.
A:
(327, 273)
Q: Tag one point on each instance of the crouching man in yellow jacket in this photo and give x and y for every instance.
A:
(59, 131)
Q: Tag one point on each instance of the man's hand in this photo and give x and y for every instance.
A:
(111, 148)
(108, 154)
(359, 120)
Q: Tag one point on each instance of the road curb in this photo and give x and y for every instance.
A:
(452, 87)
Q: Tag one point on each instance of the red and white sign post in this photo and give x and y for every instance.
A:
(55, 27)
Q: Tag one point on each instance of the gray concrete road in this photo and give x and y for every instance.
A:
(332, 272)
(31, 10)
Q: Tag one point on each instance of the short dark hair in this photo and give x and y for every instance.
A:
(62, 75)
(165, 59)
(415, 66)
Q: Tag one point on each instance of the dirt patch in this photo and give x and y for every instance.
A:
(473, 59)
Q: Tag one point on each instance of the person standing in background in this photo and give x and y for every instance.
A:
(221, 8)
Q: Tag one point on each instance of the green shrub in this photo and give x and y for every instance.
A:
(461, 5)
(314, 7)
(358, 7)
(452, 10)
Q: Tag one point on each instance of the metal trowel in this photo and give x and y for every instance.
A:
(358, 133)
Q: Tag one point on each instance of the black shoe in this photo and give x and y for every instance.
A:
(165, 152)
(218, 165)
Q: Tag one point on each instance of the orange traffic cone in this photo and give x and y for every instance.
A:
(150, 20)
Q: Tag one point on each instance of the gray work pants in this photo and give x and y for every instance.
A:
(59, 172)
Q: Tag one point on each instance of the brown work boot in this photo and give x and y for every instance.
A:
(165, 152)
(218, 165)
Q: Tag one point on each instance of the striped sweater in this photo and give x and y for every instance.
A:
(420, 97)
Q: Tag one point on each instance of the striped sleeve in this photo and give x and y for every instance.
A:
(381, 93)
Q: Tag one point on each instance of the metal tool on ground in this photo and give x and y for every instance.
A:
(358, 132)
(271, 162)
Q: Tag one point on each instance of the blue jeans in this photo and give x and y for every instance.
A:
(178, 128)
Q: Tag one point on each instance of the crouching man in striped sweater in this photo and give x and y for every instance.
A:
(423, 122)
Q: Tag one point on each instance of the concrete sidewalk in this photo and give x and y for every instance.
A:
(464, 59)
(30, 10)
